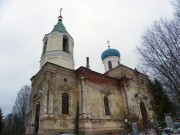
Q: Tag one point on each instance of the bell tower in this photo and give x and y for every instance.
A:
(58, 46)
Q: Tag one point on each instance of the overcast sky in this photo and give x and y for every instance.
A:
(23, 24)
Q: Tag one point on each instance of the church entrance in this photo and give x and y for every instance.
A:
(36, 124)
(144, 114)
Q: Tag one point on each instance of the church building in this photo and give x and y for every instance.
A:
(68, 100)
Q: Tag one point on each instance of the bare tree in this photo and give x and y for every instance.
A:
(177, 9)
(21, 106)
(8, 125)
(160, 54)
(15, 122)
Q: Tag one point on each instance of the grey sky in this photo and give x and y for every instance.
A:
(23, 24)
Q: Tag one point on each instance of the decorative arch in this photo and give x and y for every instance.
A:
(110, 65)
(106, 105)
(65, 103)
(144, 113)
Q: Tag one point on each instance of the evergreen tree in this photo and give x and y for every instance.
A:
(162, 105)
(1, 121)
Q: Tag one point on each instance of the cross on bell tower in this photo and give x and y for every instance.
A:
(60, 16)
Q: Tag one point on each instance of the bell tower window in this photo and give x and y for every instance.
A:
(65, 44)
(44, 47)
(110, 65)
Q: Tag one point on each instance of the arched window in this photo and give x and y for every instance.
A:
(110, 65)
(118, 63)
(144, 113)
(106, 106)
(65, 103)
(65, 44)
(37, 117)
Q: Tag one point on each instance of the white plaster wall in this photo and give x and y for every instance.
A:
(113, 59)
(60, 60)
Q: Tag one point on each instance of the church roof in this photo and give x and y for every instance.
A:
(96, 77)
(59, 27)
(110, 52)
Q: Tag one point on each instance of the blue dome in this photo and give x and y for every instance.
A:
(110, 52)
